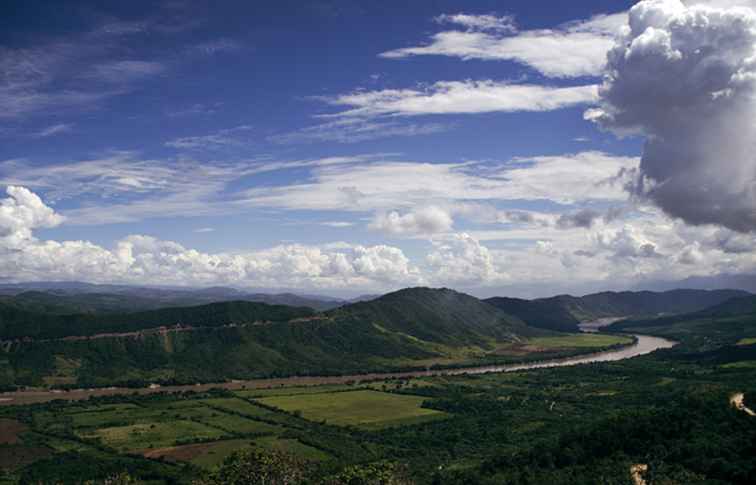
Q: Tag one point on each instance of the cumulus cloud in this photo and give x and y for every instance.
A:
(685, 77)
(423, 221)
(463, 260)
(571, 50)
(140, 258)
(582, 218)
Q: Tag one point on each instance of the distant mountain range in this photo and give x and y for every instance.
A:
(74, 297)
(565, 312)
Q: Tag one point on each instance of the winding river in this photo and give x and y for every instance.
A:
(644, 344)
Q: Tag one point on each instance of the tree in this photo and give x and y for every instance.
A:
(257, 467)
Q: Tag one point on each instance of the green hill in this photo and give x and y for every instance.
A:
(436, 315)
(16, 323)
(391, 332)
(547, 313)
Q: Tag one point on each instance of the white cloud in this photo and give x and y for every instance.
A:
(484, 23)
(421, 221)
(572, 50)
(354, 130)
(461, 259)
(139, 258)
(388, 185)
(22, 212)
(229, 137)
(463, 97)
(124, 71)
(685, 77)
(124, 187)
(203, 230)
(337, 224)
(53, 130)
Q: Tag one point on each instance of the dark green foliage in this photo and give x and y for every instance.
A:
(410, 324)
(254, 466)
(442, 316)
(16, 323)
(547, 313)
(642, 303)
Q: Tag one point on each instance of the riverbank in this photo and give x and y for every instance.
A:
(643, 345)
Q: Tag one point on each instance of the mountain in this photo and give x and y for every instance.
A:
(18, 323)
(112, 299)
(645, 303)
(732, 307)
(564, 312)
(408, 327)
(435, 315)
(553, 313)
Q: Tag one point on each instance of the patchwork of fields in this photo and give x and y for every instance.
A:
(201, 430)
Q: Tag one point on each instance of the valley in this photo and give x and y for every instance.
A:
(490, 399)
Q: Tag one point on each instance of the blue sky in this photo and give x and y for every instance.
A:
(333, 147)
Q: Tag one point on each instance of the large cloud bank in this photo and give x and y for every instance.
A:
(138, 258)
(685, 77)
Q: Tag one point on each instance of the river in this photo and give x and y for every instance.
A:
(644, 344)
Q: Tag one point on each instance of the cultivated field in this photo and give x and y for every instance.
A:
(363, 408)
(581, 341)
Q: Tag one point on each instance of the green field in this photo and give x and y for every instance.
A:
(747, 341)
(583, 340)
(363, 408)
(291, 446)
(154, 435)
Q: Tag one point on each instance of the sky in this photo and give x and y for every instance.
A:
(522, 148)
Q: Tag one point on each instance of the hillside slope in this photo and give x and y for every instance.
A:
(416, 325)
(549, 313)
(18, 323)
(643, 303)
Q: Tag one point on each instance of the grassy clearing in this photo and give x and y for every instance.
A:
(586, 340)
(154, 435)
(747, 341)
(293, 447)
(364, 408)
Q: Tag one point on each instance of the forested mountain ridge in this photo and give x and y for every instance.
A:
(397, 330)
(548, 313)
(437, 315)
(17, 323)
(565, 312)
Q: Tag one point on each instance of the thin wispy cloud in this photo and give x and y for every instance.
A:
(229, 137)
(54, 130)
(354, 130)
(463, 97)
(572, 50)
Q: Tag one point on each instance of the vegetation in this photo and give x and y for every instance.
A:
(669, 411)
(365, 408)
